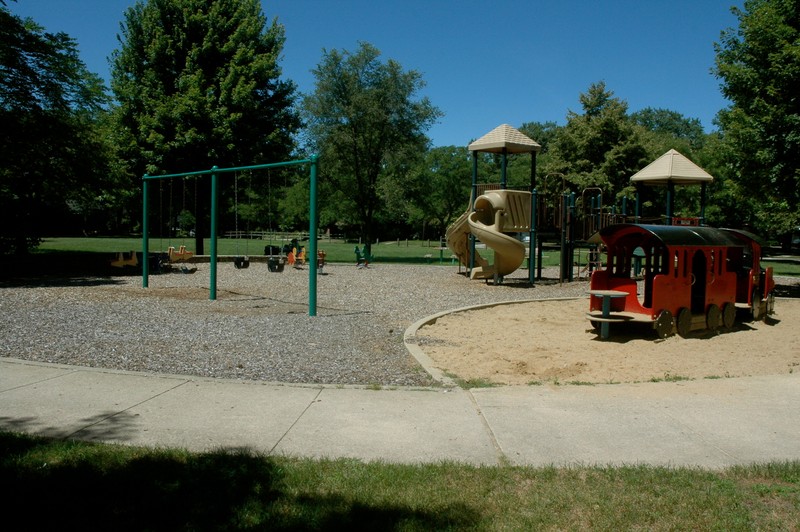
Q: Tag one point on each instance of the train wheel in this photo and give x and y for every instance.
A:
(663, 324)
(713, 317)
(756, 305)
(728, 315)
(684, 322)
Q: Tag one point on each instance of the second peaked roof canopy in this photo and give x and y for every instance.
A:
(505, 138)
(672, 167)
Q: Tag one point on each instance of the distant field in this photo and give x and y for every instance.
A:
(409, 251)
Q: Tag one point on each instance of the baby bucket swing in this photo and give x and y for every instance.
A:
(239, 261)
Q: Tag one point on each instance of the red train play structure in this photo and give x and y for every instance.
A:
(678, 278)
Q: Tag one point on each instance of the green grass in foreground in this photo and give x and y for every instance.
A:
(56, 484)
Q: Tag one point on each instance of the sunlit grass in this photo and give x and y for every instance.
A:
(55, 484)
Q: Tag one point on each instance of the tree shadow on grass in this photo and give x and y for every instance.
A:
(60, 268)
(54, 484)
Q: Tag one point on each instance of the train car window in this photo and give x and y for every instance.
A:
(675, 266)
(626, 264)
(747, 257)
(663, 260)
(734, 262)
(685, 263)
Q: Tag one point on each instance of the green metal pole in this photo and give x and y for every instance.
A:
(214, 200)
(532, 240)
(532, 228)
(670, 201)
(145, 236)
(312, 234)
(471, 208)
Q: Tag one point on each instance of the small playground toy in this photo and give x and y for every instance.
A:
(321, 260)
(122, 260)
(692, 278)
(362, 258)
(180, 255)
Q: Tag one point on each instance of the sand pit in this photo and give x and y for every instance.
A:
(551, 341)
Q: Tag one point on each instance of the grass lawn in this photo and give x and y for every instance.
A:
(52, 484)
(408, 251)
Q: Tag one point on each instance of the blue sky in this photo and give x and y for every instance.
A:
(485, 62)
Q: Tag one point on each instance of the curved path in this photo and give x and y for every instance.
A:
(708, 423)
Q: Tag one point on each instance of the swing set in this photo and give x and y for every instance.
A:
(215, 172)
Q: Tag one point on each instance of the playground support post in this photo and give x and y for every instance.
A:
(312, 230)
(214, 218)
(533, 223)
(567, 236)
(145, 234)
(670, 201)
(703, 203)
(472, 199)
(532, 240)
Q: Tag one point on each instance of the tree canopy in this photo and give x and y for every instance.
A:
(198, 84)
(758, 64)
(52, 157)
(600, 147)
(365, 121)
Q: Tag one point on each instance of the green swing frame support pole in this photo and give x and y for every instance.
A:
(215, 171)
(312, 236)
(145, 235)
(214, 229)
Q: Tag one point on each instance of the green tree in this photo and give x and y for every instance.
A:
(758, 64)
(601, 147)
(198, 84)
(365, 122)
(438, 189)
(52, 154)
(672, 125)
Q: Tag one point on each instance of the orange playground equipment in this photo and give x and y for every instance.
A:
(180, 255)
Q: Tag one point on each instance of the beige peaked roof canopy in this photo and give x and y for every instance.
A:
(505, 138)
(672, 167)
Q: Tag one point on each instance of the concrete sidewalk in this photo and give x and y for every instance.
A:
(707, 423)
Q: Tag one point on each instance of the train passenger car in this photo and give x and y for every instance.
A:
(680, 278)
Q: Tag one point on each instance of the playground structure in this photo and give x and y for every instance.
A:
(495, 216)
(554, 214)
(693, 278)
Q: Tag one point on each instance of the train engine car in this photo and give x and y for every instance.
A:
(680, 278)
